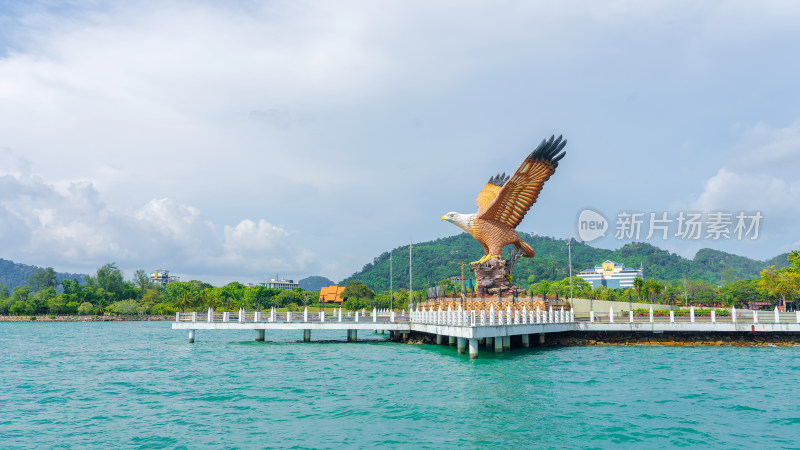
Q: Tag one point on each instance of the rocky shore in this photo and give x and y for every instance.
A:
(580, 339)
(49, 318)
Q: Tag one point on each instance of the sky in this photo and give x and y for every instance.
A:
(248, 140)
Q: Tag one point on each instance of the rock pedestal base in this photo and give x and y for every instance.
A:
(494, 276)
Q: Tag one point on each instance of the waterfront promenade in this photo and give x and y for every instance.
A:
(468, 330)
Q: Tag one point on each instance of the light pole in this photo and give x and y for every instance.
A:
(569, 251)
(391, 287)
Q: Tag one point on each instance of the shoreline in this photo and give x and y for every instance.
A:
(59, 318)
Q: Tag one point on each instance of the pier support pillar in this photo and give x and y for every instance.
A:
(506, 343)
(191, 336)
(260, 335)
(352, 335)
(473, 349)
(462, 345)
(405, 336)
(451, 340)
(498, 344)
(541, 338)
(482, 341)
(489, 342)
(439, 339)
(526, 340)
(306, 335)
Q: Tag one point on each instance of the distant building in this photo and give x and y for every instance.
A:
(162, 277)
(331, 294)
(281, 284)
(611, 275)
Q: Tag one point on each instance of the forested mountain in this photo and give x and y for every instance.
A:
(439, 259)
(314, 283)
(14, 274)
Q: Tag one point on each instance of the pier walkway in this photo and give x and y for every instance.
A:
(493, 329)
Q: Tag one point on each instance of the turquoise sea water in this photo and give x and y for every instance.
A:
(140, 384)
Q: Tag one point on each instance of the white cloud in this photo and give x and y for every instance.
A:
(76, 231)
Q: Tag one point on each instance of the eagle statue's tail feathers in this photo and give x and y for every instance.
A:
(527, 249)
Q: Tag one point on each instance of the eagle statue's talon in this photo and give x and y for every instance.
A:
(485, 258)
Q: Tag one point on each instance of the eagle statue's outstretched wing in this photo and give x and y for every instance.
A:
(507, 200)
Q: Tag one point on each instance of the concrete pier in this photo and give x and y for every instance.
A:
(451, 340)
(260, 335)
(489, 342)
(498, 344)
(473, 349)
(191, 336)
(462, 345)
(306, 335)
(541, 338)
(526, 340)
(506, 343)
(439, 339)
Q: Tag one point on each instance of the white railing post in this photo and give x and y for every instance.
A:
(538, 314)
(356, 316)
(305, 314)
(500, 317)
(226, 316)
(755, 316)
(322, 316)
(777, 315)
(551, 316)
(374, 314)
(691, 314)
(572, 315)
(391, 316)
(288, 316)
(257, 316)
(591, 316)
(508, 315)
(340, 314)
(491, 314)
(671, 316)
(713, 316)
(630, 314)
(524, 314)
(651, 314)
(177, 316)
(483, 317)
(561, 315)
(210, 317)
(194, 316)
(733, 314)
(610, 314)
(797, 315)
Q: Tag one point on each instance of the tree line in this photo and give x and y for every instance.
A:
(108, 292)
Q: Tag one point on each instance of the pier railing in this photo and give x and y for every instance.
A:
(728, 316)
(273, 316)
(471, 318)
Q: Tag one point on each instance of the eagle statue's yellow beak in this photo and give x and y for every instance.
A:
(444, 217)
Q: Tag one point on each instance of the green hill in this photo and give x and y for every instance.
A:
(314, 283)
(14, 274)
(432, 261)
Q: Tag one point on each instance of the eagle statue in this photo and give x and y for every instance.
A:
(504, 201)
